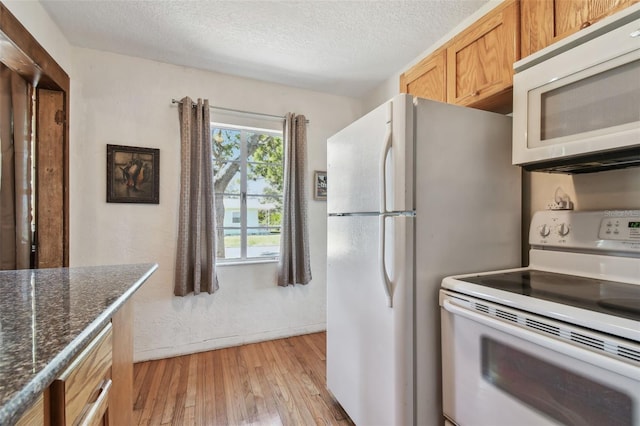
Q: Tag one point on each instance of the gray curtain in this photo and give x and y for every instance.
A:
(195, 259)
(15, 171)
(295, 263)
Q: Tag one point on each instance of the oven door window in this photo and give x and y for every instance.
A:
(559, 393)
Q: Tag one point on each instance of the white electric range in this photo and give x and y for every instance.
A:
(557, 342)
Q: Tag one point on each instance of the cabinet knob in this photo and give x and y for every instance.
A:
(585, 25)
(475, 93)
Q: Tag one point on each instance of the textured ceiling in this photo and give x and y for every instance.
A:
(341, 47)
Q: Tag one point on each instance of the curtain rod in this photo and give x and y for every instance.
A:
(239, 111)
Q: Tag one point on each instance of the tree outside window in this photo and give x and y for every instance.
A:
(248, 184)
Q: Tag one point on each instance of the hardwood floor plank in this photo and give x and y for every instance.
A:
(189, 416)
(154, 377)
(177, 392)
(315, 371)
(294, 350)
(264, 404)
(215, 404)
(139, 371)
(200, 380)
(234, 389)
(287, 378)
(192, 383)
(161, 396)
(287, 411)
(279, 382)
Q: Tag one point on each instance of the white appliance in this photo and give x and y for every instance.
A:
(413, 186)
(576, 104)
(557, 342)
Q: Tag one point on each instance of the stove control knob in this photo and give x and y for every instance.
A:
(545, 231)
(563, 230)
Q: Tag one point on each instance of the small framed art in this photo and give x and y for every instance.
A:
(320, 185)
(133, 174)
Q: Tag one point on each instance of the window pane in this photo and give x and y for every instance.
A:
(227, 207)
(264, 178)
(228, 246)
(225, 144)
(264, 211)
(264, 218)
(224, 182)
(263, 242)
(262, 148)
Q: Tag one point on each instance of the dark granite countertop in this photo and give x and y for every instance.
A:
(47, 316)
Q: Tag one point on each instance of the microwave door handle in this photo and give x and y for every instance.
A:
(547, 342)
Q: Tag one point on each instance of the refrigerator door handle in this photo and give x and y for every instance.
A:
(383, 169)
(388, 284)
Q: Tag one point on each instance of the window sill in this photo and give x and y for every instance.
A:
(246, 262)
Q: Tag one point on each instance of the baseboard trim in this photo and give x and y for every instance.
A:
(224, 342)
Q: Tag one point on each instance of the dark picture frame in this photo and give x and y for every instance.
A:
(319, 185)
(133, 174)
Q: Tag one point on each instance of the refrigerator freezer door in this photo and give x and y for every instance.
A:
(370, 345)
(372, 160)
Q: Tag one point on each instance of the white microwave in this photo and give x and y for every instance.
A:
(576, 104)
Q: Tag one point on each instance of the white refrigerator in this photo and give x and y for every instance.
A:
(417, 190)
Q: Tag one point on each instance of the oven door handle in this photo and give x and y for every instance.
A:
(566, 348)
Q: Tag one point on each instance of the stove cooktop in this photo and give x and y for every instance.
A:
(607, 297)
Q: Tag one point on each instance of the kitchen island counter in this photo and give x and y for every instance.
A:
(47, 316)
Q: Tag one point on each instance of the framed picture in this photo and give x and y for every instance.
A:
(320, 185)
(133, 174)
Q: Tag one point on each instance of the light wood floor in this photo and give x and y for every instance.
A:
(279, 382)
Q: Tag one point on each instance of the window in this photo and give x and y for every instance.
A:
(235, 217)
(248, 185)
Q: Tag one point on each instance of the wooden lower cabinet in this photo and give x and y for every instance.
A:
(97, 386)
(80, 395)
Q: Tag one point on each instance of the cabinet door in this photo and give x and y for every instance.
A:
(80, 395)
(427, 78)
(546, 21)
(480, 60)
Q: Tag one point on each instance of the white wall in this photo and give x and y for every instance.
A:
(127, 101)
(38, 22)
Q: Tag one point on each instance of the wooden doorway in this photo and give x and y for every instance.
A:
(23, 54)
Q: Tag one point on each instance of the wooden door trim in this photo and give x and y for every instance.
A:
(42, 71)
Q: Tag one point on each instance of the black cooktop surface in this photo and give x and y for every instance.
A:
(608, 297)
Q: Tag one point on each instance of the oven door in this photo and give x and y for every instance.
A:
(505, 367)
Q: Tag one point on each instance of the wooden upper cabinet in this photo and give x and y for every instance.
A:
(480, 60)
(546, 21)
(427, 79)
